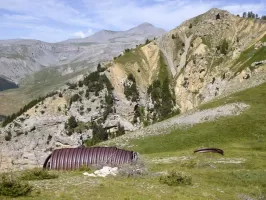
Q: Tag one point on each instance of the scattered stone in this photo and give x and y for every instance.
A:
(105, 171)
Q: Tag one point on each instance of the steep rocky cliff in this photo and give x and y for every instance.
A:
(207, 57)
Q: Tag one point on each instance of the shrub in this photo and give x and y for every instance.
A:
(162, 98)
(147, 41)
(37, 174)
(127, 50)
(224, 47)
(87, 94)
(189, 164)
(72, 123)
(175, 178)
(99, 134)
(190, 26)
(130, 88)
(84, 168)
(72, 86)
(75, 98)
(8, 137)
(12, 187)
(121, 130)
(80, 83)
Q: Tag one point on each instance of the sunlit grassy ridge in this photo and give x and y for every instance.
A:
(250, 56)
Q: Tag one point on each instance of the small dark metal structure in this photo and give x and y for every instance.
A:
(209, 150)
(74, 158)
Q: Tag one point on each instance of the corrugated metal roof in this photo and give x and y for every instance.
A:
(74, 158)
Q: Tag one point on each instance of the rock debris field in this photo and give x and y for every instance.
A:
(182, 121)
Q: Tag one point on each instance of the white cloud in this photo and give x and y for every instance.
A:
(81, 34)
(163, 13)
(65, 18)
(54, 10)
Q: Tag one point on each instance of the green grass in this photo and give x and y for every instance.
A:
(248, 129)
(263, 39)
(250, 56)
(207, 41)
(132, 56)
(37, 174)
(34, 86)
(241, 136)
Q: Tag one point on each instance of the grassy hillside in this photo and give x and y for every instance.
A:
(239, 174)
(250, 56)
(36, 85)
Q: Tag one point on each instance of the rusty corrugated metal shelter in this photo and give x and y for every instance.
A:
(74, 158)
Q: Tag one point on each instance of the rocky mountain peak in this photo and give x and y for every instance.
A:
(145, 24)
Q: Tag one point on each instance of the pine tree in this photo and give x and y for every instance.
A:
(167, 103)
(72, 123)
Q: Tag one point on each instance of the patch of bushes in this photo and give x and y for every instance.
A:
(13, 187)
(96, 82)
(173, 36)
(84, 168)
(147, 41)
(87, 94)
(190, 164)
(71, 86)
(162, 98)
(120, 131)
(175, 178)
(71, 125)
(37, 174)
(99, 134)
(75, 98)
(80, 84)
(223, 47)
(81, 92)
(139, 113)
(28, 106)
(100, 68)
(108, 105)
(130, 89)
(8, 137)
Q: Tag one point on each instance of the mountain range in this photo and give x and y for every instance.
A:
(19, 58)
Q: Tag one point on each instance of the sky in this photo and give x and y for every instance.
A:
(58, 20)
